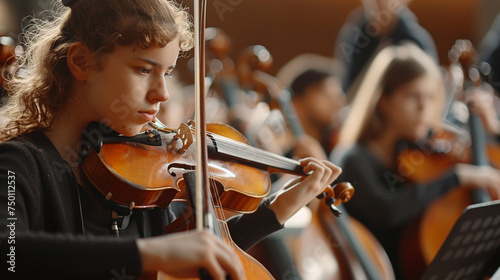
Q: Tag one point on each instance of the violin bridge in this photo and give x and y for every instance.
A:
(186, 137)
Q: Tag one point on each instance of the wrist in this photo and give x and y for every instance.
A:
(147, 260)
(274, 206)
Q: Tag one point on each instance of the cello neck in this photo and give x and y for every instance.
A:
(285, 101)
(366, 263)
(478, 153)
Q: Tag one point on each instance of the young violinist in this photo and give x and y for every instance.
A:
(106, 61)
(399, 99)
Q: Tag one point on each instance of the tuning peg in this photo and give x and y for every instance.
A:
(331, 205)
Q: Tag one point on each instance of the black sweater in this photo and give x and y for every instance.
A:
(384, 200)
(42, 231)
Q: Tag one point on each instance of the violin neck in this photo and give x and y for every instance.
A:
(228, 148)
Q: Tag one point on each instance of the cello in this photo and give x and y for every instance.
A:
(439, 218)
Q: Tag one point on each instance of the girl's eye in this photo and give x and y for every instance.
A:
(145, 70)
(169, 75)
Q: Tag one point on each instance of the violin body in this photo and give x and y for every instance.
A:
(143, 176)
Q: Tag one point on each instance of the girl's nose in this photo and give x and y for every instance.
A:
(159, 92)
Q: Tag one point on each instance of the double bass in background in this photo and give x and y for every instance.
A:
(437, 221)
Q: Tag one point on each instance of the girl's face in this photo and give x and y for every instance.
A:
(410, 109)
(125, 91)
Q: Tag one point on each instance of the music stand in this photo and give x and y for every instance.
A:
(472, 249)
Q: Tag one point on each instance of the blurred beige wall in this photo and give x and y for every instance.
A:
(292, 27)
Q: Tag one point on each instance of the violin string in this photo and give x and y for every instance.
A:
(218, 208)
(270, 157)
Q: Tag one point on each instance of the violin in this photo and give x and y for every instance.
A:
(439, 218)
(146, 170)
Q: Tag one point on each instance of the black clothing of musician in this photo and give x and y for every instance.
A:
(45, 224)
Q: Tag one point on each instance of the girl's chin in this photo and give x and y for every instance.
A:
(129, 130)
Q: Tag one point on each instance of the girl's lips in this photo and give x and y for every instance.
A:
(148, 115)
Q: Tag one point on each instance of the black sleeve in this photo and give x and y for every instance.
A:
(408, 29)
(248, 229)
(377, 203)
(44, 256)
(28, 251)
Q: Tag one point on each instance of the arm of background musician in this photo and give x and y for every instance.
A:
(38, 254)
(487, 177)
(482, 101)
(377, 203)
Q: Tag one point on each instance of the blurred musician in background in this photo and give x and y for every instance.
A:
(375, 24)
(399, 99)
(319, 101)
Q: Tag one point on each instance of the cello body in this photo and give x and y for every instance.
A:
(424, 238)
(357, 253)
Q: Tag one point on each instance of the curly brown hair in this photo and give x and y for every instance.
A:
(38, 93)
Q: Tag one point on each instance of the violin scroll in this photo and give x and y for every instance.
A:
(339, 193)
